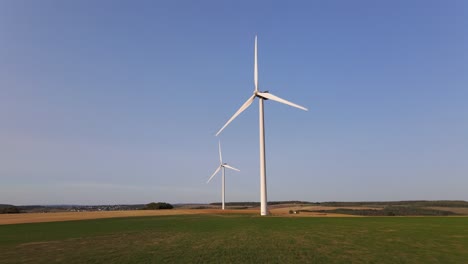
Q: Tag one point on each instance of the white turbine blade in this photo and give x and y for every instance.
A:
(220, 157)
(280, 100)
(230, 167)
(241, 109)
(255, 66)
(216, 171)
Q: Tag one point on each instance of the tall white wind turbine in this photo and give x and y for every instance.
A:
(261, 96)
(222, 166)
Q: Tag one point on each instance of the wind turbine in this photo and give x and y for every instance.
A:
(221, 166)
(261, 97)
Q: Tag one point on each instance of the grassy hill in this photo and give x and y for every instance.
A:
(416, 203)
(372, 208)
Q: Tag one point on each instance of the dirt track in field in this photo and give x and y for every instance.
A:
(6, 219)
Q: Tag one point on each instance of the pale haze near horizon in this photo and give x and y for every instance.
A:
(107, 103)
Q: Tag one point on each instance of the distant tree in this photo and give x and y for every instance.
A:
(157, 206)
(10, 210)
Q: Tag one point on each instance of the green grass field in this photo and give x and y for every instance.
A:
(239, 238)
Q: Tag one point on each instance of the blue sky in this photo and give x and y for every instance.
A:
(118, 101)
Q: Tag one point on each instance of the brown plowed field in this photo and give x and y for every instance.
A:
(70, 216)
(6, 219)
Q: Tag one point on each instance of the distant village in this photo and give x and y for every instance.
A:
(68, 208)
(12, 209)
(89, 208)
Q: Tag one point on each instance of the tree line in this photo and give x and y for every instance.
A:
(9, 209)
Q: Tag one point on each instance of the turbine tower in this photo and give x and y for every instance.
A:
(221, 166)
(261, 97)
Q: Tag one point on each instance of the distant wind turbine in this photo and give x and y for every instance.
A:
(261, 96)
(221, 166)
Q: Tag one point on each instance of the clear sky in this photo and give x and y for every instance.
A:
(118, 101)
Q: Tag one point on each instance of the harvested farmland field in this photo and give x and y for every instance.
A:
(275, 210)
(6, 219)
(238, 238)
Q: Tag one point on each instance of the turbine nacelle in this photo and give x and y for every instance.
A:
(258, 94)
